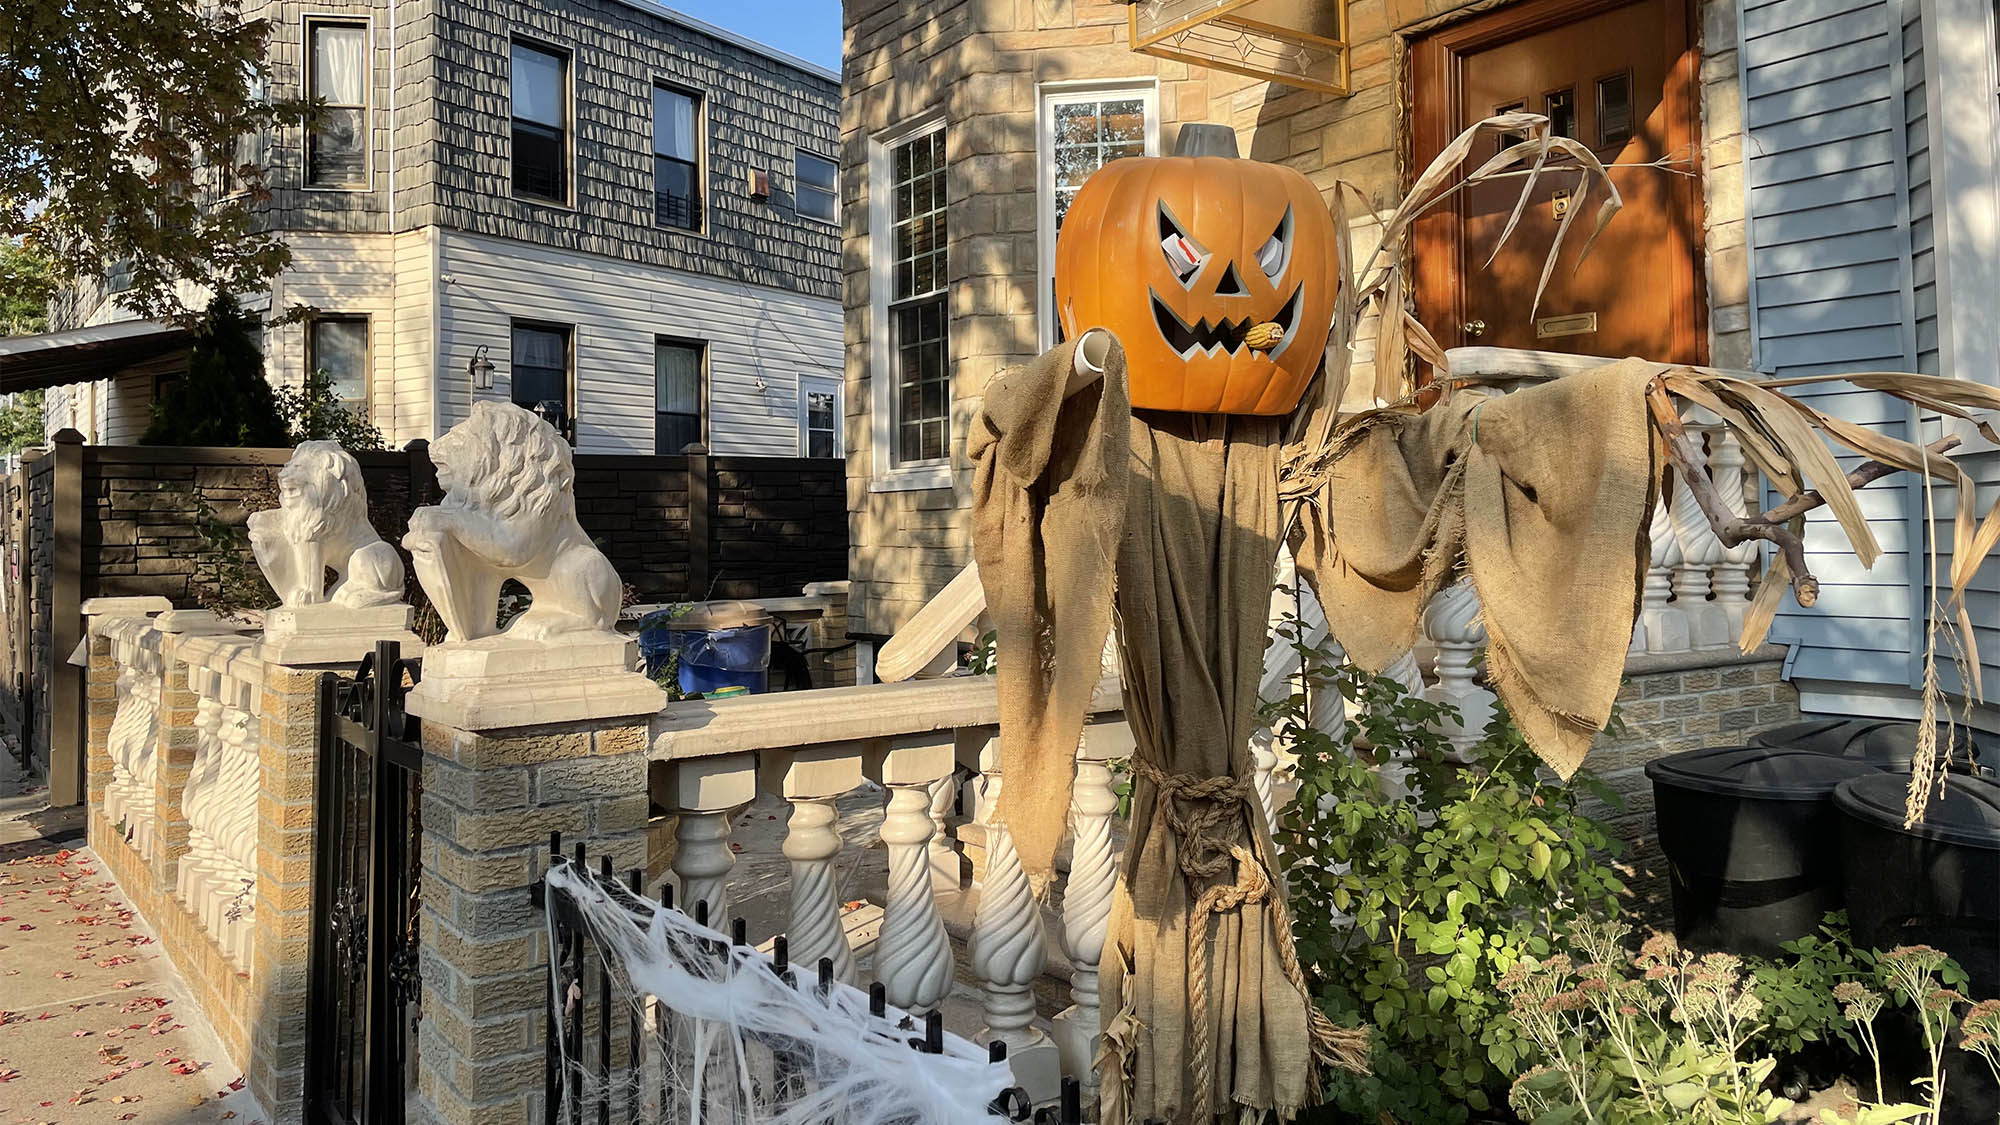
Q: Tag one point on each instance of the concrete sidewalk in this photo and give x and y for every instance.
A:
(95, 1024)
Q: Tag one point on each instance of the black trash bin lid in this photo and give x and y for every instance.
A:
(1771, 773)
(1967, 813)
(1890, 743)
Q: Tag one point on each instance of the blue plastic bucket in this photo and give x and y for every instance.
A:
(717, 658)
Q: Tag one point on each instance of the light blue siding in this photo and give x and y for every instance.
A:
(1830, 255)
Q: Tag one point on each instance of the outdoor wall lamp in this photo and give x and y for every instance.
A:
(481, 370)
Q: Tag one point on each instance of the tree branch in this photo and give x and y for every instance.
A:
(1771, 526)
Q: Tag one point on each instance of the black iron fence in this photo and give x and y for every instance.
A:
(361, 1038)
(610, 1048)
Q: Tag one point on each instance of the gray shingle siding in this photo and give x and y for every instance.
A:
(451, 133)
(756, 110)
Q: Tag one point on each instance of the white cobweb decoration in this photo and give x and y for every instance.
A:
(723, 1039)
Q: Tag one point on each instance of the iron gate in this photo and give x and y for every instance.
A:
(361, 1041)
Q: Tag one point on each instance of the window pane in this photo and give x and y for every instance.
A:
(673, 433)
(674, 132)
(923, 393)
(339, 348)
(816, 193)
(815, 171)
(339, 64)
(677, 378)
(1560, 105)
(676, 202)
(1614, 111)
(538, 86)
(819, 443)
(336, 149)
(540, 162)
(541, 367)
(819, 409)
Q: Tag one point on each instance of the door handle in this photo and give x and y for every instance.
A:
(1474, 327)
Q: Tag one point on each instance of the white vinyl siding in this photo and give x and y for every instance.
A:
(619, 309)
(340, 275)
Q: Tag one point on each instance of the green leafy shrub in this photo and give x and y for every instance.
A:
(313, 412)
(1411, 899)
(223, 399)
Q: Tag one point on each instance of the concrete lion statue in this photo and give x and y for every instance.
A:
(320, 525)
(509, 511)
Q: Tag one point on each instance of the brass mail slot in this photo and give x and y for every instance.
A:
(1575, 324)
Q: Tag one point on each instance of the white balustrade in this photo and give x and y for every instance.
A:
(1452, 622)
(1093, 877)
(129, 799)
(1701, 552)
(913, 954)
(1663, 626)
(1007, 950)
(216, 879)
(812, 781)
(1727, 465)
(705, 793)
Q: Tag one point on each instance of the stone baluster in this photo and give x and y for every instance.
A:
(812, 781)
(198, 798)
(1663, 626)
(913, 953)
(704, 794)
(232, 901)
(1006, 949)
(1452, 623)
(1393, 765)
(1086, 905)
(1732, 575)
(1701, 551)
(943, 847)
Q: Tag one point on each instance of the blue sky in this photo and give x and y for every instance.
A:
(809, 29)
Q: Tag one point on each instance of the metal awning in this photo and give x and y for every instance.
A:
(80, 355)
(1297, 42)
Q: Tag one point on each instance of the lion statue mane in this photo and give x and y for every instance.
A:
(321, 524)
(509, 511)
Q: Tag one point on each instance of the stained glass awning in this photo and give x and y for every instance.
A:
(1296, 42)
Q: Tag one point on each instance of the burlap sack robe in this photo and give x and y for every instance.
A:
(1219, 1017)
(1543, 497)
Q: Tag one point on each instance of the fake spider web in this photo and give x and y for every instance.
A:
(705, 1032)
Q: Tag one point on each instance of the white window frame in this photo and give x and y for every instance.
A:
(809, 384)
(1961, 84)
(307, 22)
(797, 152)
(887, 475)
(1049, 95)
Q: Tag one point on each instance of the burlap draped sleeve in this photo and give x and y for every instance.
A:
(1543, 497)
(1048, 508)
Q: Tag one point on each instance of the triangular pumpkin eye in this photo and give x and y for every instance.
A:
(1276, 252)
(1184, 255)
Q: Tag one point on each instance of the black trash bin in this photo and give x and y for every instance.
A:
(1889, 743)
(1934, 883)
(1752, 843)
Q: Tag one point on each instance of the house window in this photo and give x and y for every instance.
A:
(676, 395)
(337, 347)
(815, 191)
(337, 79)
(819, 416)
(541, 380)
(1082, 130)
(919, 345)
(541, 122)
(676, 159)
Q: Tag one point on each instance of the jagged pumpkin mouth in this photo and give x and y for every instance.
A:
(1224, 337)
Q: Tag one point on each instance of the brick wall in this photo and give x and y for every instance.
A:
(1669, 704)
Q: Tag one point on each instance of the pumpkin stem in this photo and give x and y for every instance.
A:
(1263, 337)
(1204, 139)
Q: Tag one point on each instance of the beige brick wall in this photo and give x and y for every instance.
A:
(981, 62)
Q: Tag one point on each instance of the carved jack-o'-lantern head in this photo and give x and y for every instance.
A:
(1181, 257)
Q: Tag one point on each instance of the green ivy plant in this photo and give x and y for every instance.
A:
(1411, 899)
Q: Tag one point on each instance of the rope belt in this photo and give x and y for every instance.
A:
(1196, 808)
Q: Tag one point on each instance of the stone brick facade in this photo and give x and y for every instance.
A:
(983, 63)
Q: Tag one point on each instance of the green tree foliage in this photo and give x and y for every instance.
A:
(21, 422)
(26, 280)
(223, 399)
(313, 412)
(119, 132)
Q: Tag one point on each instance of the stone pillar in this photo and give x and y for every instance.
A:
(491, 798)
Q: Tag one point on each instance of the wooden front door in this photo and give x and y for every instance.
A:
(1621, 78)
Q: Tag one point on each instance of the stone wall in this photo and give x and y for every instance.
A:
(1669, 704)
(772, 520)
(40, 569)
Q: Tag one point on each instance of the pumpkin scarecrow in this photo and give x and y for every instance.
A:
(1149, 468)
